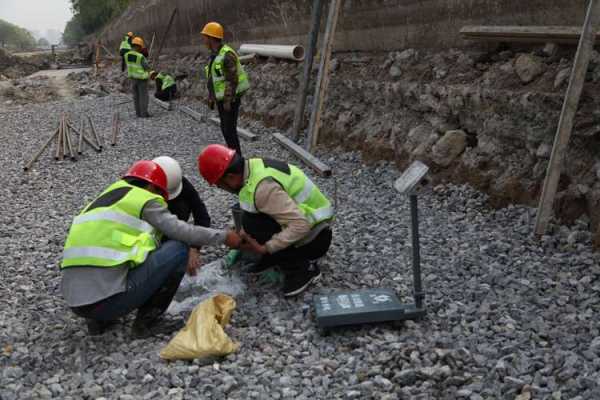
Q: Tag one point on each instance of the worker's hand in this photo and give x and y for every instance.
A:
(233, 239)
(193, 262)
(227, 106)
(250, 244)
(211, 104)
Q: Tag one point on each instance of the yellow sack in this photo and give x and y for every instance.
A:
(203, 334)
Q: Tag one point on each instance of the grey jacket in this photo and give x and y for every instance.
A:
(88, 285)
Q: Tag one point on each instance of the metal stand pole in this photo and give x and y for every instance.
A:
(416, 255)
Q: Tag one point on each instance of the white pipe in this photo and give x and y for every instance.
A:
(294, 52)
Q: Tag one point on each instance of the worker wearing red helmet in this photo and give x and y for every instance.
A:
(113, 260)
(286, 218)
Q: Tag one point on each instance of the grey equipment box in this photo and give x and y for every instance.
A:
(362, 306)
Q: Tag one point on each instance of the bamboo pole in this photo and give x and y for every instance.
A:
(58, 141)
(63, 150)
(80, 139)
(98, 138)
(163, 39)
(115, 127)
(308, 62)
(88, 141)
(39, 153)
(69, 145)
(567, 116)
(323, 77)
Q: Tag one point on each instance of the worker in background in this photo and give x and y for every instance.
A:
(227, 82)
(124, 48)
(166, 88)
(138, 72)
(286, 218)
(183, 202)
(114, 262)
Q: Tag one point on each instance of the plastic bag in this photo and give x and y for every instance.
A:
(203, 334)
(211, 279)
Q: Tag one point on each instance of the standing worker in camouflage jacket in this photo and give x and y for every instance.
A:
(227, 82)
(139, 72)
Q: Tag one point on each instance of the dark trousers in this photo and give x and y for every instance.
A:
(140, 97)
(229, 124)
(292, 259)
(166, 95)
(150, 287)
(123, 63)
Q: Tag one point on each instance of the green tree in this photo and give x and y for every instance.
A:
(90, 16)
(16, 37)
(43, 42)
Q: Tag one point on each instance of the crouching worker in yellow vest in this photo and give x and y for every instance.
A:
(114, 261)
(166, 87)
(286, 218)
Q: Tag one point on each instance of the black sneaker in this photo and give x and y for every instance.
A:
(144, 328)
(96, 327)
(296, 283)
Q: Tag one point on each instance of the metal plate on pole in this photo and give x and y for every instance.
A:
(411, 177)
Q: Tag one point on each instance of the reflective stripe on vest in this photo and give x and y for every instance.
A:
(167, 81)
(313, 204)
(108, 235)
(217, 74)
(125, 45)
(135, 70)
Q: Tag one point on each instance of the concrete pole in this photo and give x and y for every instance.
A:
(313, 38)
(323, 77)
(565, 124)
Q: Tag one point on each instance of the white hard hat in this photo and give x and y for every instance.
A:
(173, 171)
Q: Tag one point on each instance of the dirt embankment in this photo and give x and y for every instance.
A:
(486, 118)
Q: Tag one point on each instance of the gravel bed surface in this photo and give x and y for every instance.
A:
(508, 317)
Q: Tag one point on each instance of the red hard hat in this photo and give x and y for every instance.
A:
(213, 161)
(150, 172)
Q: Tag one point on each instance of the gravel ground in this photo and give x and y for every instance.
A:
(508, 318)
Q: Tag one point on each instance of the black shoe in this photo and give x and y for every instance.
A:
(96, 327)
(146, 327)
(297, 282)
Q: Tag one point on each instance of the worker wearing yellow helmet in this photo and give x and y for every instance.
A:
(226, 80)
(139, 72)
(124, 48)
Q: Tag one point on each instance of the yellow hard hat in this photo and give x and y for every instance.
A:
(213, 29)
(138, 40)
(130, 34)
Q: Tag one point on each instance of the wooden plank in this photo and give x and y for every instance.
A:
(529, 34)
(244, 133)
(323, 77)
(304, 155)
(567, 115)
(195, 115)
(163, 104)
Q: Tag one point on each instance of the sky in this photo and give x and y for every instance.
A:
(36, 15)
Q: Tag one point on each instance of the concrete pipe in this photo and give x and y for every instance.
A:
(294, 52)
